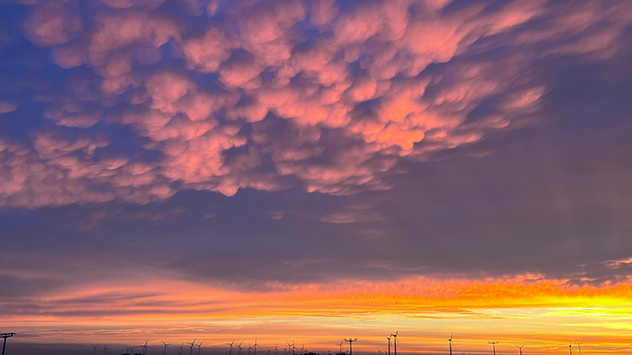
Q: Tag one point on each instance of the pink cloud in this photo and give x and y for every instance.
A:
(359, 73)
(52, 23)
(208, 52)
(6, 107)
(116, 31)
(124, 4)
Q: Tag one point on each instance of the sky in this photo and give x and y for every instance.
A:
(306, 171)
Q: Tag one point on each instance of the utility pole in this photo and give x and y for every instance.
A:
(351, 345)
(493, 345)
(5, 336)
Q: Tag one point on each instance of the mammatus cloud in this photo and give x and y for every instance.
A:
(326, 95)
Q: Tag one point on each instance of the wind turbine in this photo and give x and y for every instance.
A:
(389, 344)
(181, 346)
(340, 347)
(239, 348)
(520, 347)
(164, 351)
(255, 346)
(493, 345)
(249, 348)
(4, 337)
(450, 341)
(395, 340)
(230, 350)
(570, 349)
(104, 349)
(199, 346)
(276, 348)
(191, 347)
(351, 344)
(579, 345)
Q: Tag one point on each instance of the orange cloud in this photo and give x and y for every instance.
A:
(424, 309)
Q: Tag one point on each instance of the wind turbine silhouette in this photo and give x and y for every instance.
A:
(450, 341)
(395, 340)
(199, 346)
(520, 347)
(570, 349)
(181, 346)
(145, 347)
(255, 346)
(164, 351)
(351, 340)
(493, 345)
(230, 350)
(389, 344)
(579, 345)
(191, 347)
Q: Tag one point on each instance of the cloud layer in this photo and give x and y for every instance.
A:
(324, 95)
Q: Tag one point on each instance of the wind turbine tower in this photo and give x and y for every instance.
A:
(579, 346)
(351, 341)
(164, 351)
(388, 338)
(493, 345)
(570, 349)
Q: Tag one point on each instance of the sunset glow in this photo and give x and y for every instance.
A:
(305, 171)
